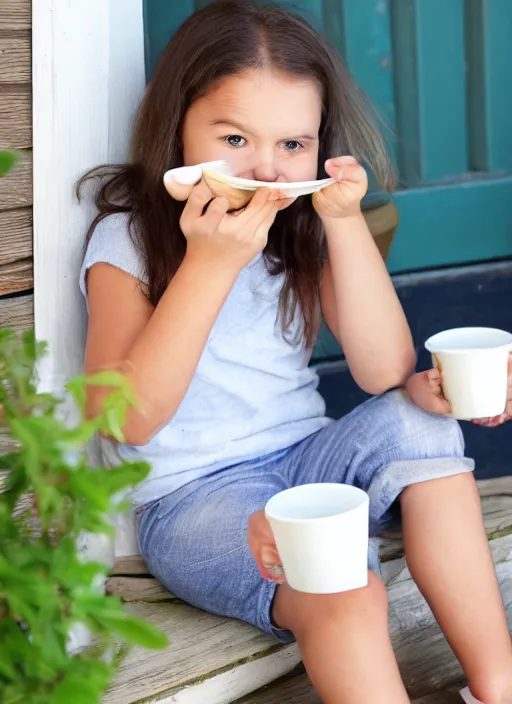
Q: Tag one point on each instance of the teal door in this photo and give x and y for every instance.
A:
(438, 71)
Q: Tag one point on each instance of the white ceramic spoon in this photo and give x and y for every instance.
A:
(239, 191)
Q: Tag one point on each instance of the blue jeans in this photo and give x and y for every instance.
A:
(194, 540)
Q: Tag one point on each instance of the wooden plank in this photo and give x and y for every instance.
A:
(445, 697)
(7, 444)
(16, 187)
(130, 565)
(17, 313)
(501, 486)
(489, 55)
(15, 235)
(138, 589)
(428, 41)
(15, 59)
(297, 689)
(496, 509)
(468, 221)
(16, 277)
(15, 117)
(15, 14)
(203, 648)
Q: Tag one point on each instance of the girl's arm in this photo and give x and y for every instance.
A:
(159, 348)
(359, 302)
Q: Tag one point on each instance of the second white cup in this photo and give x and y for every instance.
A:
(473, 363)
(321, 533)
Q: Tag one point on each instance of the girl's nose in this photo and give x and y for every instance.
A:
(265, 167)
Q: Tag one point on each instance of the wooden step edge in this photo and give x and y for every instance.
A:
(129, 566)
(233, 681)
(142, 588)
(295, 688)
(298, 690)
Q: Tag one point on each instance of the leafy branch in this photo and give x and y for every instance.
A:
(45, 586)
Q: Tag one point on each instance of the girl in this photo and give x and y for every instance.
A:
(212, 314)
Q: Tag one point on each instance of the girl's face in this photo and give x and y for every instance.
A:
(264, 124)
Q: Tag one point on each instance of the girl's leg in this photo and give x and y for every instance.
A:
(391, 447)
(449, 558)
(344, 642)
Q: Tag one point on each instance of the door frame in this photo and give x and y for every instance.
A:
(88, 78)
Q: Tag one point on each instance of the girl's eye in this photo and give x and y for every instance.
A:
(235, 140)
(292, 145)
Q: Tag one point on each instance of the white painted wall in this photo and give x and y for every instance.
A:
(88, 78)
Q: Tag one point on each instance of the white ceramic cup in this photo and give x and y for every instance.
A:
(473, 363)
(321, 533)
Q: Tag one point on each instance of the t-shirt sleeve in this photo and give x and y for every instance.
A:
(111, 243)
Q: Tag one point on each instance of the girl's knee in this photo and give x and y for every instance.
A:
(368, 604)
(321, 612)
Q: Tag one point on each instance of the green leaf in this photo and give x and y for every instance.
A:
(116, 380)
(126, 475)
(78, 690)
(134, 630)
(77, 389)
(86, 484)
(7, 670)
(7, 161)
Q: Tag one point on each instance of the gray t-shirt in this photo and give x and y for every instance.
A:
(252, 393)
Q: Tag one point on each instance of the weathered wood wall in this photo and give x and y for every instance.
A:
(16, 271)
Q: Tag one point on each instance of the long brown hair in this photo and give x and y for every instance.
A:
(225, 38)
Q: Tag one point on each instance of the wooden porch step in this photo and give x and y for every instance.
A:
(297, 689)
(210, 660)
(213, 660)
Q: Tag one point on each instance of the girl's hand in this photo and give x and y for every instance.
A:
(344, 197)
(233, 239)
(507, 413)
(263, 548)
(425, 391)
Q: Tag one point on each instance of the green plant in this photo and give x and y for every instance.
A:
(7, 161)
(45, 588)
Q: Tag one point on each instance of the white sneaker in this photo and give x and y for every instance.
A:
(468, 697)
